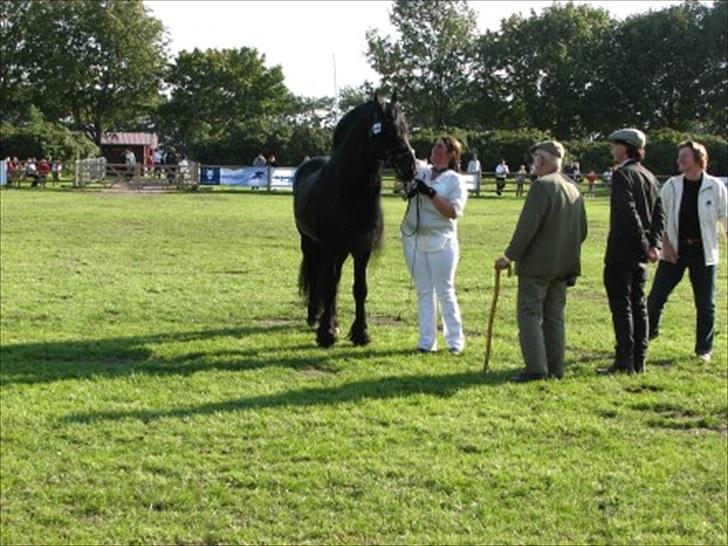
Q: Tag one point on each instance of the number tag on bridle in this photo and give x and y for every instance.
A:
(377, 128)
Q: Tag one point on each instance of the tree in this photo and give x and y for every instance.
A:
(96, 64)
(351, 97)
(40, 138)
(547, 64)
(429, 65)
(666, 68)
(715, 27)
(217, 93)
(14, 85)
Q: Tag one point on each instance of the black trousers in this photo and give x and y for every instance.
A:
(626, 292)
(702, 279)
(500, 184)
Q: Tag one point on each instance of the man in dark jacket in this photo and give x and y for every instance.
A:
(546, 247)
(635, 230)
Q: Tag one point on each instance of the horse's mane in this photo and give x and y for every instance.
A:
(347, 124)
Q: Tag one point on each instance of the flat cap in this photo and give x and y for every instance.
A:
(552, 147)
(635, 137)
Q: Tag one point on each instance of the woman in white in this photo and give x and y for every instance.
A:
(694, 203)
(429, 235)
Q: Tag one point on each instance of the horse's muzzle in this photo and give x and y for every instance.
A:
(404, 164)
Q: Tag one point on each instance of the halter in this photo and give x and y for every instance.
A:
(394, 159)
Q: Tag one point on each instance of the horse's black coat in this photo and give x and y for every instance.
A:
(338, 210)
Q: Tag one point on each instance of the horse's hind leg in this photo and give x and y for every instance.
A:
(309, 278)
(328, 285)
(358, 333)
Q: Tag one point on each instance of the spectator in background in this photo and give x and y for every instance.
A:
(520, 179)
(130, 162)
(501, 173)
(635, 228)
(272, 162)
(576, 172)
(607, 176)
(591, 179)
(183, 169)
(546, 247)
(694, 203)
(56, 169)
(149, 162)
(474, 165)
(170, 162)
(158, 162)
(44, 169)
(31, 171)
(259, 160)
(8, 169)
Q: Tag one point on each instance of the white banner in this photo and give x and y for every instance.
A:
(247, 176)
(282, 177)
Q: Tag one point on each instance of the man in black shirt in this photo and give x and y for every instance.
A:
(694, 203)
(634, 235)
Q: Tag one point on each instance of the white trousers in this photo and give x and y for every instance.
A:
(434, 276)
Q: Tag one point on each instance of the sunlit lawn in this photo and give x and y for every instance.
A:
(159, 385)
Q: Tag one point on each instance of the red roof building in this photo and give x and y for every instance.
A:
(113, 146)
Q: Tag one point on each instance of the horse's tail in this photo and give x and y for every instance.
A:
(308, 273)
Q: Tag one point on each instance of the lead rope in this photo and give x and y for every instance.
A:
(408, 301)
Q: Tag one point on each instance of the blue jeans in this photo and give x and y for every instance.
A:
(702, 279)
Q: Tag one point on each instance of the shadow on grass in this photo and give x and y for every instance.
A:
(46, 362)
(382, 388)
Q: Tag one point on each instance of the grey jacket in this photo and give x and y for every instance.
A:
(550, 231)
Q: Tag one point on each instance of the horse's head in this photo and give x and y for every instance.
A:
(389, 138)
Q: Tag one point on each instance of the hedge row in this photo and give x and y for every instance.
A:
(291, 144)
(492, 146)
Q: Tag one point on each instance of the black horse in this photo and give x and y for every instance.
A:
(338, 210)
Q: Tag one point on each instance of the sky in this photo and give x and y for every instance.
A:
(321, 44)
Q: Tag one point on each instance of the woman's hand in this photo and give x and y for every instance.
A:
(424, 189)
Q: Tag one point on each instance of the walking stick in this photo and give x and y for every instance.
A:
(491, 319)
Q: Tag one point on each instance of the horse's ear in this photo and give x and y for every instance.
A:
(395, 98)
(376, 98)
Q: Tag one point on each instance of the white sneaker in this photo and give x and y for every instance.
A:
(705, 357)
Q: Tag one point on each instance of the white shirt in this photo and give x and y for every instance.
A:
(474, 166)
(502, 169)
(712, 208)
(434, 230)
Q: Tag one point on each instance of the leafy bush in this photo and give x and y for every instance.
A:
(39, 138)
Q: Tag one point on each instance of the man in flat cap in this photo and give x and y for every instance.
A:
(635, 229)
(546, 247)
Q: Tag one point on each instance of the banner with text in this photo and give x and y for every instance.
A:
(244, 176)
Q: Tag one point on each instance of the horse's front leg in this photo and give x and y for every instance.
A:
(328, 288)
(358, 333)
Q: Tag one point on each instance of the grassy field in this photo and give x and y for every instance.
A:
(159, 385)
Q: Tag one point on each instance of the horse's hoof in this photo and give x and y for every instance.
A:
(359, 337)
(312, 323)
(325, 339)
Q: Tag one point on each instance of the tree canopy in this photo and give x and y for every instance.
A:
(572, 69)
(98, 64)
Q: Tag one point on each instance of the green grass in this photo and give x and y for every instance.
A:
(159, 385)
